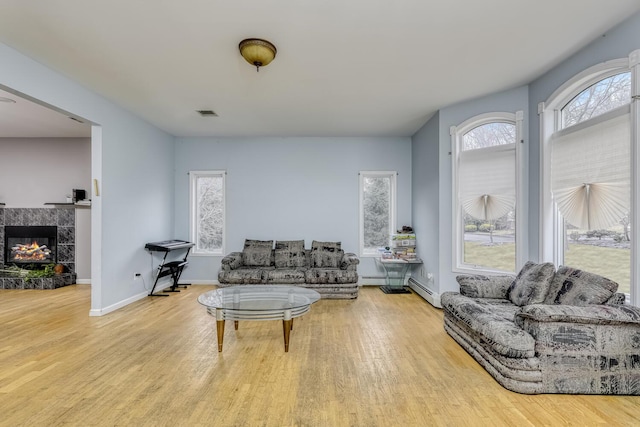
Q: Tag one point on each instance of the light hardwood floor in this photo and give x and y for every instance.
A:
(381, 360)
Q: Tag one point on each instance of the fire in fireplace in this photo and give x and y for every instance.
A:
(30, 244)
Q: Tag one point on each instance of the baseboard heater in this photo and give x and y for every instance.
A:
(426, 293)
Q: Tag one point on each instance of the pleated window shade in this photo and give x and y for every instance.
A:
(487, 181)
(591, 170)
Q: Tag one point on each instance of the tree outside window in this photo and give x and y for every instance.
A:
(207, 211)
(377, 206)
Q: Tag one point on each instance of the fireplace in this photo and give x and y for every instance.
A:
(26, 245)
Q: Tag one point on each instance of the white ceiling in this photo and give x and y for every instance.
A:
(24, 118)
(344, 67)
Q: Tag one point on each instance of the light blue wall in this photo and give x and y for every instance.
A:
(616, 43)
(425, 193)
(137, 176)
(289, 188)
(440, 146)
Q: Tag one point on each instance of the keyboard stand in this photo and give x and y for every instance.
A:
(173, 269)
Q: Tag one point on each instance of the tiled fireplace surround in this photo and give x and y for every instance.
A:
(65, 220)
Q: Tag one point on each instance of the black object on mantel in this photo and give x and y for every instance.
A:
(172, 268)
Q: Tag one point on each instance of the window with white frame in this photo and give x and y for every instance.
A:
(587, 156)
(486, 191)
(207, 194)
(377, 210)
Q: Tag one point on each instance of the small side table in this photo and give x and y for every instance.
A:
(395, 273)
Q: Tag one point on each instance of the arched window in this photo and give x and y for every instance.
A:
(485, 169)
(586, 173)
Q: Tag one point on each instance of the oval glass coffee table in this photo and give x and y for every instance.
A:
(258, 302)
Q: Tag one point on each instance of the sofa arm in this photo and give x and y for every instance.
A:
(349, 262)
(596, 314)
(231, 261)
(479, 286)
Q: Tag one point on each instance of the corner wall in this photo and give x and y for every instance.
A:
(425, 194)
(135, 204)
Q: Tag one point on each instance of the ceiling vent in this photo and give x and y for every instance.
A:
(207, 113)
(77, 120)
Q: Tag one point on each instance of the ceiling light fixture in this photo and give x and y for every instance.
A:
(257, 52)
(7, 100)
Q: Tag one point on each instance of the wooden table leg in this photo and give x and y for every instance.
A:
(286, 328)
(235, 324)
(220, 327)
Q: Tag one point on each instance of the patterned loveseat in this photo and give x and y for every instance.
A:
(325, 268)
(548, 331)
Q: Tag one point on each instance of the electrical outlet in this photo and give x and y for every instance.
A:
(422, 272)
(136, 276)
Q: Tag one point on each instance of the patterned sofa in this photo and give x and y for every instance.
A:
(325, 268)
(548, 331)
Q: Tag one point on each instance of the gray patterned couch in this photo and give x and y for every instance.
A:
(547, 331)
(325, 268)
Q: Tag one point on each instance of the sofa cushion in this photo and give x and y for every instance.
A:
(241, 276)
(500, 307)
(479, 286)
(326, 254)
(284, 276)
(257, 253)
(572, 286)
(531, 285)
(290, 254)
(330, 275)
(497, 333)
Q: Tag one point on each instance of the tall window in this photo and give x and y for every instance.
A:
(485, 192)
(590, 176)
(377, 210)
(207, 190)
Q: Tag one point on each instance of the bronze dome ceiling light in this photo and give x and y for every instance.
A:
(257, 52)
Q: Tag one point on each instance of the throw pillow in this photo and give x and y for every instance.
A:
(532, 283)
(572, 286)
(479, 286)
(326, 254)
(290, 254)
(257, 253)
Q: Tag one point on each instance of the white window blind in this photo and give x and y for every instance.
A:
(590, 170)
(487, 181)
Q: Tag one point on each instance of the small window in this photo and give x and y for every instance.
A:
(207, 211)
(489, 135)
(377, 210)
(606, 95)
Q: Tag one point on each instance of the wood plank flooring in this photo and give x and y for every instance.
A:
(381, 360)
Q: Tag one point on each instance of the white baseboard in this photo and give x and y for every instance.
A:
(371, 281)
(159, 288)
(83, 281)
(430, 296)
(113, 307)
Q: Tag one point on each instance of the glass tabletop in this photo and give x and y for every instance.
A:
(259, 297)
